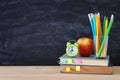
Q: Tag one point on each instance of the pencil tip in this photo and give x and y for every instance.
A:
(112, 16)
(98, 14)
(89, 16)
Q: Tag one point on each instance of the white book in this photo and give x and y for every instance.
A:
(78, 60)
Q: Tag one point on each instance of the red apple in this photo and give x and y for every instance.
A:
(85, 46)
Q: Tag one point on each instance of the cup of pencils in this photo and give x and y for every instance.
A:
(100, 33)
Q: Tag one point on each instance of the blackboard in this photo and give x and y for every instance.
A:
(35, 32)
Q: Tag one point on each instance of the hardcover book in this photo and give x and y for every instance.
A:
(88, 61)
(87, 69)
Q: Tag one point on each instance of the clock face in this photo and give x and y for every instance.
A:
(72, 50)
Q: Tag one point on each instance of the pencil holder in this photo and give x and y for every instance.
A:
(98, 44)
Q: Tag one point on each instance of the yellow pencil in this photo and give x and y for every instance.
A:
(96, 25)
(106, 25)
(104, 49)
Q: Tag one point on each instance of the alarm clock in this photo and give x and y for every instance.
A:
(72, 48)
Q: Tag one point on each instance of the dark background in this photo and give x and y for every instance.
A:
(34, 32)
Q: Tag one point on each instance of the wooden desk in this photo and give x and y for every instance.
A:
(50, 73)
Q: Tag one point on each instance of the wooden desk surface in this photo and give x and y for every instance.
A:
(50, 73)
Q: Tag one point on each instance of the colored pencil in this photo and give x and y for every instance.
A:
(94, 21)
(106, 25)
(104, 22)
(97, 34)
(106, 34)
(100, 33)
(94, 18)
(105, 46)
(91, 23)
(99, 30)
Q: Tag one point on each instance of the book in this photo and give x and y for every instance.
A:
(87, 69)
(88, 61)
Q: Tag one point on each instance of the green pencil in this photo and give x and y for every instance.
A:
(106, 34)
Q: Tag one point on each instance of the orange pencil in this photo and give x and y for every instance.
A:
(98, 32)
(97, 29)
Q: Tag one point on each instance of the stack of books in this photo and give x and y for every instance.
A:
(85, 65)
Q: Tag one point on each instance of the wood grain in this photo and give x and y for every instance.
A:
(49, 73)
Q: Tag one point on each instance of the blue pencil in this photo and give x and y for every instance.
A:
(91, 23)
(94, 19)
(94, 27)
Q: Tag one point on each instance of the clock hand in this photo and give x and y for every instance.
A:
(72, 48)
